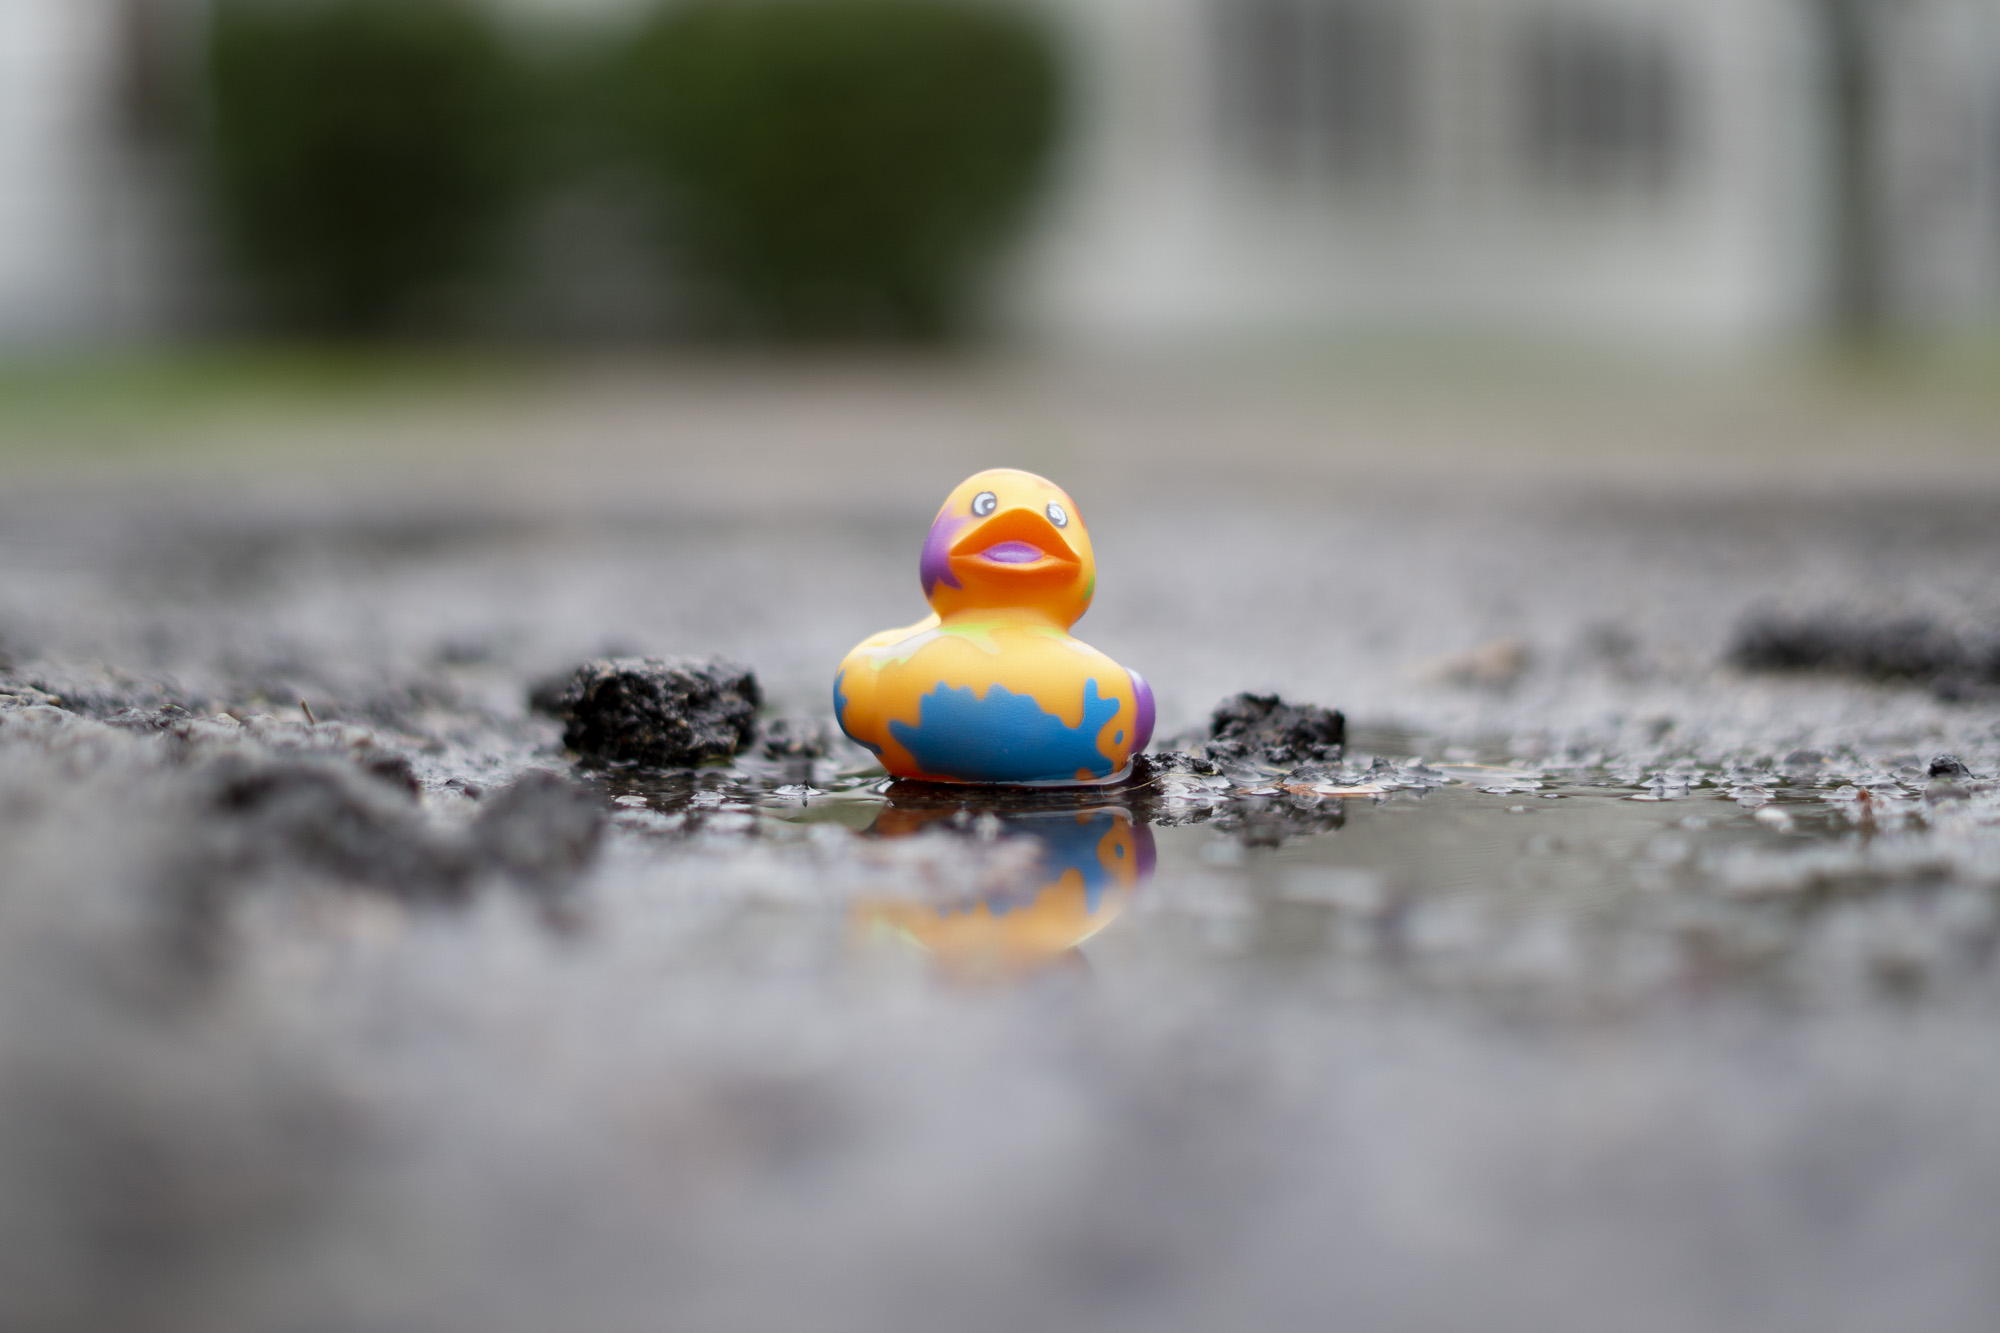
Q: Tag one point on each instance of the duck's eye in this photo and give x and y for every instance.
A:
(1058, 515)
(984, 503)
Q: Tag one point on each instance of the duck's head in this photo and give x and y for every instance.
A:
(1009, 538)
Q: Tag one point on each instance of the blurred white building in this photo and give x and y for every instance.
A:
(1252, 167)
(1653, 166)
(94, 242)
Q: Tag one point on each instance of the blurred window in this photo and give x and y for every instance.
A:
(1603, 103)
(147, 84)
(1316, 87)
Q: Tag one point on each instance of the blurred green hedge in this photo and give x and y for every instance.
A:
(826, 167)
(365, 152)
(841, 166)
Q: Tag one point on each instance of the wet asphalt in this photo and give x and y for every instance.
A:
(1603, 980)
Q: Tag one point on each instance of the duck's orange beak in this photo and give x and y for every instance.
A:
(1014, 541)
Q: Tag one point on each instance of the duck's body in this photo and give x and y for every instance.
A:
(991, 687)
(990, 697)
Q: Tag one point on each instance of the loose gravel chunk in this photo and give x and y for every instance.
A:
(1263, 726)
(1950, 767)
(794, 738)
(1146, 767)
(1955, 663)
(665, 713)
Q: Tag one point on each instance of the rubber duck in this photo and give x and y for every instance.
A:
(991, 687)
(1090, 864)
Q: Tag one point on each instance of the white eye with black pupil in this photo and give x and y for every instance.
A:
(1058, 515)
(984, 503)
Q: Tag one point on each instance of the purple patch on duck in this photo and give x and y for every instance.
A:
(1013, 553)
(936, 565)
(1142, 726)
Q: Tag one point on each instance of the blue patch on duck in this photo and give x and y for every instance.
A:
(1004, 737)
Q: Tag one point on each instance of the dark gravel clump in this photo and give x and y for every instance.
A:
(791, 738)
(1263, 726)
(1949, 767)
(1146, 767)
(330, 819)
(664, 713)
(1907, 648)
(359, 824)
(541, 831)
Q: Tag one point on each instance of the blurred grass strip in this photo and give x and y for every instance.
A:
(156, 400)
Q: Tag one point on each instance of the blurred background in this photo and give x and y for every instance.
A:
(1062, 172)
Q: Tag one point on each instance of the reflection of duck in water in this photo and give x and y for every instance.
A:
(1092, 861)
(992, 688)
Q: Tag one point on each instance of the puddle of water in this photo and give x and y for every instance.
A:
(1386, 870)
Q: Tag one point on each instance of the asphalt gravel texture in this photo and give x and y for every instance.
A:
(1604, 978)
